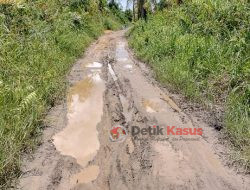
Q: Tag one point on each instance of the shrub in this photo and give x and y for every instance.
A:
(39, 41)
(202, 48)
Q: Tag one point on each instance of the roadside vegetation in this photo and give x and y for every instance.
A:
(201, 48)
(39, 41)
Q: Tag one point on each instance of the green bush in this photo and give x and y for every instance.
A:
(111, 24)
(202, 49)
(39, 41)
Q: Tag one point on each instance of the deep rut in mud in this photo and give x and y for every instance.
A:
(108, 88)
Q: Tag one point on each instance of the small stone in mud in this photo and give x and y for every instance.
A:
(217, 127)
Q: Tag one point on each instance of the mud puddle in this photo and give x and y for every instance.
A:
(85, 108)
(175, 163)
(109, 88)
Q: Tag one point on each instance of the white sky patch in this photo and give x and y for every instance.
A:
(94, 65)
(111, 71)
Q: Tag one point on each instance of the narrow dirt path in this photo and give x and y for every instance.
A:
(108, 88)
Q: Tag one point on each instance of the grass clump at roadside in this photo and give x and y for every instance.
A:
(201, 48)
(39, 41)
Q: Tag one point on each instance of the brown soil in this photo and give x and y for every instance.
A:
(108, 88)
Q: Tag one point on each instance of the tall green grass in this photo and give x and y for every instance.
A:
(201, 49)
(39, 41)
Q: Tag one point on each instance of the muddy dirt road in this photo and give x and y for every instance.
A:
(109, 88)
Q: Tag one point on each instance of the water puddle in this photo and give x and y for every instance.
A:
(128, 66)
(150, 110)
(95, 76)
(76, 92)
(94, 65)
(151, 106)
(121, 53)
(85, 108)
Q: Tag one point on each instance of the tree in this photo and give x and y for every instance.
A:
(129, 15)
(134, 2)
(163, 4)
(154, 5)
(142, 13)
(114, 5)
(133, 7)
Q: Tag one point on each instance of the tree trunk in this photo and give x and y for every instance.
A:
(154, 5)
(142, 13)
(134, 10)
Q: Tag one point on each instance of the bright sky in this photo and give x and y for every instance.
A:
(123, 3)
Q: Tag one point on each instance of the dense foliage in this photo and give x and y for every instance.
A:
(39, 41)
(202, 49)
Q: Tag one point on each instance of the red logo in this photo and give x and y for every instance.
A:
(117, 134)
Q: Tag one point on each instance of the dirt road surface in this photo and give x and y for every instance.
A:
(108, 88)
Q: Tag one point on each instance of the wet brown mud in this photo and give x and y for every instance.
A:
(109, 88)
